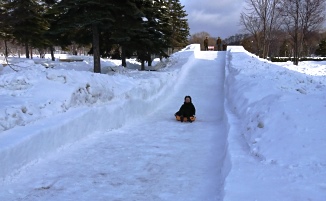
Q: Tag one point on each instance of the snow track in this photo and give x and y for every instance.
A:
(154, 158)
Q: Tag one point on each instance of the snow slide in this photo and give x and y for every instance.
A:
(152, 158)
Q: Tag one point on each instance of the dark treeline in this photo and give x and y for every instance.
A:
(111, 28)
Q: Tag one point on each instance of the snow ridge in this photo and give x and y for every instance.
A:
(122, 99)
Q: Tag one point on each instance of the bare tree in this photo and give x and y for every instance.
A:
(199, 38)
(313, 16)
(260, 20)
(290, 13)
(301, 18)
(235, 39)
(252, 25)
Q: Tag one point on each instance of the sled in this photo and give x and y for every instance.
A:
(178, 118)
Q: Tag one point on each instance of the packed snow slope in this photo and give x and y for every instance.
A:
(152, 157)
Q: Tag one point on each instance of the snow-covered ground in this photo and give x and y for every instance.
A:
(277, 149)
(69, 134)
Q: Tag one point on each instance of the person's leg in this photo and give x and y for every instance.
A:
(181, 116)
(187, 115)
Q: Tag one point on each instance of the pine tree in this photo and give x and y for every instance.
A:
(178, 23)
(80, 16)
(5, 28)
(153, 38)
(128, 23)
(161, 28)
(321, 51)
(27, 22)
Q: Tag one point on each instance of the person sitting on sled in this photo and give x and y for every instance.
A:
(187, 110)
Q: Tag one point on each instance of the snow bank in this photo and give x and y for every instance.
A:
(276, 113)
(76, 97)
(266, 100)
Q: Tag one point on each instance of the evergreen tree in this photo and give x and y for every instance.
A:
(5, 28)
(128, 23)
(178, 23)
(161, 29)
(153, 38)
(81, 16)
(26, 20)
(54, 37)
(321, 51)
(142, 26)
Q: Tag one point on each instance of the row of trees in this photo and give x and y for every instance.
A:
(198, 38)
(142, 26)
(293, 23)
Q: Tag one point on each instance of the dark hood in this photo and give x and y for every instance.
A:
(189, 98)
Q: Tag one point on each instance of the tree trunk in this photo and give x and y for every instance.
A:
(96, 49)
(26, 50)
(142, 64)
(296, 33)
(149, 61)
(52, 53)
(6, 49)
(123, 56)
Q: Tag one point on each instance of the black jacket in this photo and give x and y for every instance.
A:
(187, 110)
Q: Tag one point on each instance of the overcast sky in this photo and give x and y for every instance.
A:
(216, 17)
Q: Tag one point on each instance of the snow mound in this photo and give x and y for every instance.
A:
(35, 97)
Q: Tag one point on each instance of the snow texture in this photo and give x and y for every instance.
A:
(69, 134)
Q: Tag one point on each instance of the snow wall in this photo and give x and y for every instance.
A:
(21, 146)
(232, 103)
(25, 145)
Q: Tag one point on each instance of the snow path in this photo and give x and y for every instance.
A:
(142, 161)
